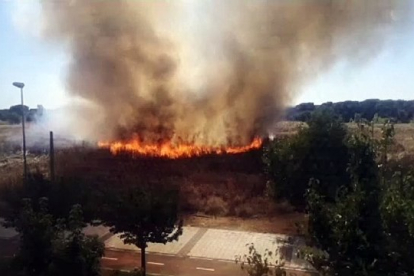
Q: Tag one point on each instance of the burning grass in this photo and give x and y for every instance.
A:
(175, 150)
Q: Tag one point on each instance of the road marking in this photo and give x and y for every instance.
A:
(226, 261)
(201, 258)
(206, 269)
(152, 263)
(110, 259)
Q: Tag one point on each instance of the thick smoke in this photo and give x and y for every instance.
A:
(210, 72)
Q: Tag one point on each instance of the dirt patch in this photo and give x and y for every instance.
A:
(279, 224)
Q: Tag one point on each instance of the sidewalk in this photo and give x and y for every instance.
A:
(201, 243)
(217, 244)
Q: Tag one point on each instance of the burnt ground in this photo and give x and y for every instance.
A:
(221, 191)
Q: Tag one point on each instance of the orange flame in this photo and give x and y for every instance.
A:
(173, 151)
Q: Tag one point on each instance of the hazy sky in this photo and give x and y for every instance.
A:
(25, 57)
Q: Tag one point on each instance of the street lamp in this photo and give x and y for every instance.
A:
(21, 85)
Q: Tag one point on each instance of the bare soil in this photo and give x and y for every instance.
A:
(278, 224)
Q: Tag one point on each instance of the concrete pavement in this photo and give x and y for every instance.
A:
(223, 246)
(199, 251)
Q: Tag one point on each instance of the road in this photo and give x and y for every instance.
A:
(199, 251)
(171, 265)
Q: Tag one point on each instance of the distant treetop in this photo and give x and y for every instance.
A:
(14, 113)
(398, 111)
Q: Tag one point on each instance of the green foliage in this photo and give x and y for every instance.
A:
(256, 264)
(360, 204)
(143, 214)
(38, 232)
(74, 253)
(368, 229)
(13, 118)
(148, 215)
(18, 109)
(371, 110)
(62, 195)
(397, 211)
(14, 114)
(5, 267)
(50, 246)
(317, 152)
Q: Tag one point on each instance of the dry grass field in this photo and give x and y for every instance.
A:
(226, 191)
(403, 139)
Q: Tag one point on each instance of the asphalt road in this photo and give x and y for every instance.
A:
(166, 265)
(170, 265)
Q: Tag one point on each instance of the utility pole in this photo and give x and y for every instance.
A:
(21, 85)
(52, 158)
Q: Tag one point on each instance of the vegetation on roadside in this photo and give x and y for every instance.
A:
(256, 263)
(49, 246)
(317, 151)
(141, 215)
(358, 201)
(50, 221)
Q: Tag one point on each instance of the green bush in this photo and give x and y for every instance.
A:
(317, 152)
(369, 228)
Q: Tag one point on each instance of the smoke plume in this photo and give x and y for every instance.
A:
(209, 72)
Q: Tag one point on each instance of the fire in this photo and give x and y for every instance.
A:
(173, 151)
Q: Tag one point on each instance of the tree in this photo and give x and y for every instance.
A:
(397, 111)
(349, 229)
(318, 152)
(50, 246)
(256, 264)
(143, 214)
(18, 109)
(62, 194)
(74, 253)
(369, 228)
(13, 118)
(38, 232)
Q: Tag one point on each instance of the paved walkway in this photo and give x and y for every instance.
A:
(207, 244)
(6, 233)
(172, 248)
(216, 244)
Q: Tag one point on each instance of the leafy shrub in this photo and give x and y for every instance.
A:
(317, 152)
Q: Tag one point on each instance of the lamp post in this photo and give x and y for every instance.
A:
(21, 85)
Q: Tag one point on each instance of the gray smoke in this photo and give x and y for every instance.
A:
(210, 72)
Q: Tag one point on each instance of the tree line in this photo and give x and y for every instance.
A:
(13, 115)
(398, 111)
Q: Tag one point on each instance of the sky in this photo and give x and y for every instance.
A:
(41, 65)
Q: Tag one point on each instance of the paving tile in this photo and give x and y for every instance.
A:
(99, 231)
(226, 245)
(169, 248)
(6, 233)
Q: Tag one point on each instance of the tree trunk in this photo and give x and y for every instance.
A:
(143, 262)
